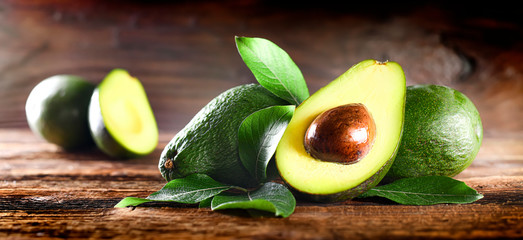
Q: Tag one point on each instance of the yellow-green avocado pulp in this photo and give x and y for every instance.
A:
(121, 120)
(381, 87)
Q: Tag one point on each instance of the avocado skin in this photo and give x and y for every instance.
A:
(209, 142)
(442, 133)
(56, 110)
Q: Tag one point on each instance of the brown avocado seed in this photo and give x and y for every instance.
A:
(344, 134)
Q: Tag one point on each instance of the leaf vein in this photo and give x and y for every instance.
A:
(425, 194)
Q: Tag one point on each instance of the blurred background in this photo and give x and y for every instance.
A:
(184, 51)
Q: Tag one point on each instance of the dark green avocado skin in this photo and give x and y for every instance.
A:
(209, 142)
(442, 133)
(56, 110)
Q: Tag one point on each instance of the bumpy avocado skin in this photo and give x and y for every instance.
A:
(56, 110)
(209, 142)
(442, 133)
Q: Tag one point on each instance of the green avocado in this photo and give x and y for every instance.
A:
(56, 110)
(378, 87)
(442, 133)
(209, 142)
(121, 120)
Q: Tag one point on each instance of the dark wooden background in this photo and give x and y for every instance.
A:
(184, 54)
(184, 51)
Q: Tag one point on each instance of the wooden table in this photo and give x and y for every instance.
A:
(184, 54)
(46, 192)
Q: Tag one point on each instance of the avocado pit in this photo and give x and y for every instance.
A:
(343, 134)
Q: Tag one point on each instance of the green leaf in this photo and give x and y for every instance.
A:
(191, 189)
(205, 203)
(426, 190)
(273, 68)
(259, 135)
(271, 197)
(131, 201)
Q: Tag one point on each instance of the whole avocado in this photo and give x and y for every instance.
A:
(441, 136)
(56, 109)
(209, 142)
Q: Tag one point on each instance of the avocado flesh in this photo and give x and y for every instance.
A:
(121, 120)
(381, 88)
(56, 110)
(209, 142)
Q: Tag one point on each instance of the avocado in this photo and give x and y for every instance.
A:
(369, 93)
(56, 110)
(121, 120)
(208, 144)
(442, 133)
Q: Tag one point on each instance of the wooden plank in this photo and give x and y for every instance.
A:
(50, 193)
(472, 221)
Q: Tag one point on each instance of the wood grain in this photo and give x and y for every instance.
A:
(48, 193)
(185, 55)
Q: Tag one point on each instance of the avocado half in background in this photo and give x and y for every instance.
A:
(121, 120)
(56, 110)
(370, 92)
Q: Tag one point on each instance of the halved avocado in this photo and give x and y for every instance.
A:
(121, 120)
(378, 86)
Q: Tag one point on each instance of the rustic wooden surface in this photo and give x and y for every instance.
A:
(46, 192)
(184, 53)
